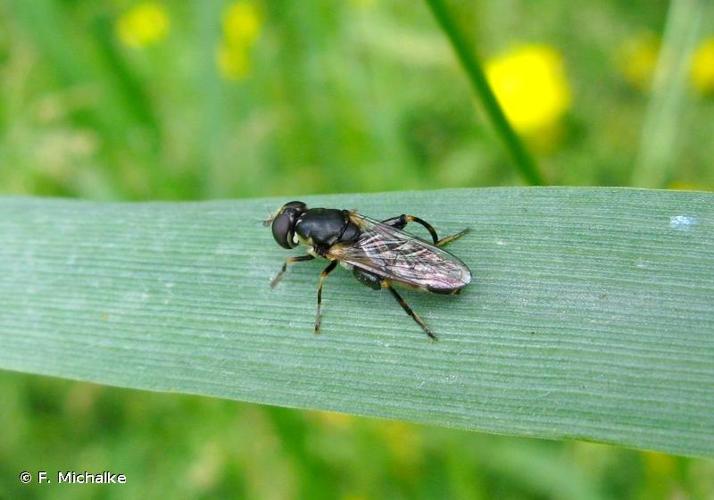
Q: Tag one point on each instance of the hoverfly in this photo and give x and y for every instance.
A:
(379, 254)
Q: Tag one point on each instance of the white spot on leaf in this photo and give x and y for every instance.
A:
(682, 222)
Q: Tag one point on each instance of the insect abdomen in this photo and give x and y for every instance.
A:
(368, 279)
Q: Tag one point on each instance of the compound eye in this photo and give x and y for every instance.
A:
(283, 231)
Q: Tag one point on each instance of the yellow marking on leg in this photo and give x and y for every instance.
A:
(448, 239)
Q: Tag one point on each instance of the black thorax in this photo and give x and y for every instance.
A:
(325, 227)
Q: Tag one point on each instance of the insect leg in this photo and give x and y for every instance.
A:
(409, 310)
(323, 275)
(289, 260)
(448, 239)
(401, 221)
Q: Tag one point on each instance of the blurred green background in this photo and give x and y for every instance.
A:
(122, 100)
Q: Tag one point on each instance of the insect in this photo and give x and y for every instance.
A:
(379, 254)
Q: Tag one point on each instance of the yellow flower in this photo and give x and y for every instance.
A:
(686, 186)
(637, 60)
(702, 71)
(531, 86)
(143, 25)
(233, 61)
(241, 23)
(658, 464)
(332, 419)
(363, 4)
(241, 27)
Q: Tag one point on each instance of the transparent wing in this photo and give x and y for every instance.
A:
(399, 256)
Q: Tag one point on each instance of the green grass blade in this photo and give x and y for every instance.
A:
(591, 314)
(522, 159)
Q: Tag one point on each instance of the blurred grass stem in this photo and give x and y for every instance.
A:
(209, 22)
(663, 118)
(523, 160)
